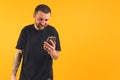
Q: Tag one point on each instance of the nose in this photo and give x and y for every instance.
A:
(43, 22)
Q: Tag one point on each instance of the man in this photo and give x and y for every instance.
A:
(37, 53)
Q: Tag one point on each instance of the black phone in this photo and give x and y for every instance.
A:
(53, 38)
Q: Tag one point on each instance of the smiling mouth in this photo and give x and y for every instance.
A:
(39, 26)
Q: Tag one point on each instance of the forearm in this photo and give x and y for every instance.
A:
(16, 63)
(54, 54)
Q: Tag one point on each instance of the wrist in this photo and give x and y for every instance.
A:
(53, 52)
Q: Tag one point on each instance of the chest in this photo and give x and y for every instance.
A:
(36, 38)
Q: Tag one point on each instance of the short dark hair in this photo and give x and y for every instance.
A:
(42, 7)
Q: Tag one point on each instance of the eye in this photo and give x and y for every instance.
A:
(46, 19)
(41, 19)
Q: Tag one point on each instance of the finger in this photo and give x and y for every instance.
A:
(47, 48)
(53, 43)
(47, 44)
(44, 47)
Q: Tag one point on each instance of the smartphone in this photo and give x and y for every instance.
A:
(53, 38)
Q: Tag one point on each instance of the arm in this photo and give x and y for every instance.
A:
(54, 54)
(51, 49)
(16, 63)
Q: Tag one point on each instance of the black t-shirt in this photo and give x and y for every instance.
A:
(37, 63)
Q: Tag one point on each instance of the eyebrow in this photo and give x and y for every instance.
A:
(43, 19)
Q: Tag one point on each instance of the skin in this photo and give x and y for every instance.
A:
(17, 60)
(41, 21)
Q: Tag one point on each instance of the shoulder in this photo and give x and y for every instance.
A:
(51, 28)
(27, 27)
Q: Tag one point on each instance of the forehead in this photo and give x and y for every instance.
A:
(43, 15)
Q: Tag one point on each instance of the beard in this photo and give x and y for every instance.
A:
(39, 26)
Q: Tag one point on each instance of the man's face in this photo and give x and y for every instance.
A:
(41, 19)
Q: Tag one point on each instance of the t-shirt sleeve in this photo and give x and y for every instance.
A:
(21, 40)
(58, 46)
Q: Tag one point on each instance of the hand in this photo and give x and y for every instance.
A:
(13, 77)
(50, 48)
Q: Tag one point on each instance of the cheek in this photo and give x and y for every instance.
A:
(36, 21)
(46, 22)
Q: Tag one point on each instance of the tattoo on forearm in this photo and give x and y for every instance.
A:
(16, 64)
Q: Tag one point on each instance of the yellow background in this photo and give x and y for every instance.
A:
(89, 32)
